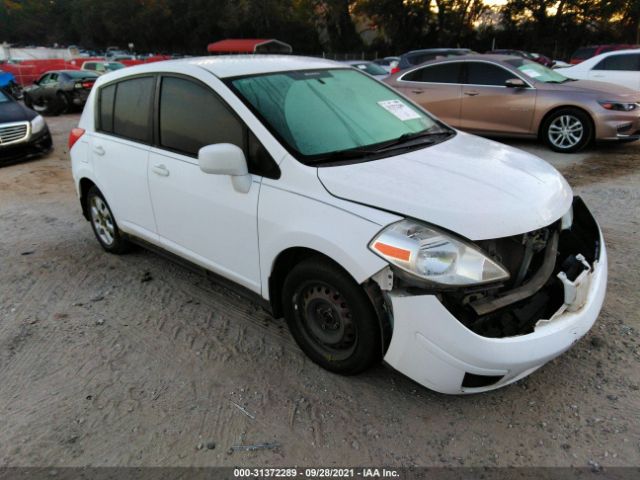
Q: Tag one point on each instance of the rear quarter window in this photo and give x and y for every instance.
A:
(105, 108)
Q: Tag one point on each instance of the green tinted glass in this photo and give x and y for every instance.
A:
(322, 111)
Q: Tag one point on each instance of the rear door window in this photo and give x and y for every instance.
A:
(480, 73)
(443, 73)
(132, 109)
(622, 62)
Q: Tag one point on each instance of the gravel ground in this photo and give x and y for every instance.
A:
(133, 360)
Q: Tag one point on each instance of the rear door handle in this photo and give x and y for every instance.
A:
(160, 169)
(472, 93)
(99, 150)
(417, 91)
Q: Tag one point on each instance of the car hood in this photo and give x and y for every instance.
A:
(14, 112)
(475, 187)
(594, 88)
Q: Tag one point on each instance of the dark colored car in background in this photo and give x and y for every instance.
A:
(535, 57)
(59, 91)
(371, 68)
(416, 57)
(584, 53)
(23, 133)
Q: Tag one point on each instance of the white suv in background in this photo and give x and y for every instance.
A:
(376, 230)
(621, 67)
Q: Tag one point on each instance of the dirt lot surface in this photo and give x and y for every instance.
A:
(134, 360)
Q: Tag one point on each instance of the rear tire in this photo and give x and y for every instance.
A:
(103, 223)
(567, 130)
(27, 101)
(62, 103)
(331, 317)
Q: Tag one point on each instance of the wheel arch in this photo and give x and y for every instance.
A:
(84, 185)
(553, 110)
(290, 257)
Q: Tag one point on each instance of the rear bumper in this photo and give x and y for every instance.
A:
(33, 146)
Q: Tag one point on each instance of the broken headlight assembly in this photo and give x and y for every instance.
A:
(427, 255)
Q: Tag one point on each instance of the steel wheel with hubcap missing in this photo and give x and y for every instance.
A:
(103, 224)
(567, 130)
(331, 317)
(326, 320)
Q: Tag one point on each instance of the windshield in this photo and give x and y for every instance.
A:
(326, 111)
(3, 97)
(537, 71)
(111, 66)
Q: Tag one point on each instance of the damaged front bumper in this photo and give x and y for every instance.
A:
(434, 348)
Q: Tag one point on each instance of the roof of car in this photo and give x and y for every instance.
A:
(479, 56)
(225, 66)
(435, 50)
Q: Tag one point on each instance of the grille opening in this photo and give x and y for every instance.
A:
(521, 317)
(471, 380)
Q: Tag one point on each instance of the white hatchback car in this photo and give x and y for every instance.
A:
(621, 67)
(376, 230)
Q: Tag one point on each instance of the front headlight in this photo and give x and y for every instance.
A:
(429, 254)
(618, 106)
(37, 124)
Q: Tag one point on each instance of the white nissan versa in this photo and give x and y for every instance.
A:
(376, 230)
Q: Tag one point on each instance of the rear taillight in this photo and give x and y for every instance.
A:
(395, 70)
(74, 136)
(88, 85)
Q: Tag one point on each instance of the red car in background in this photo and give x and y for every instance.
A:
(584, 53)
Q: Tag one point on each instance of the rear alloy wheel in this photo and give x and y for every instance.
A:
(568, 130)
(331, 317)
(103, 223)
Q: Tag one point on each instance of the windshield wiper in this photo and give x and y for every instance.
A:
(407, 137)
(354, 153)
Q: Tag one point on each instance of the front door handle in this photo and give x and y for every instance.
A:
(99, 150)
(472, 93)
(417, 91)
(160, 169)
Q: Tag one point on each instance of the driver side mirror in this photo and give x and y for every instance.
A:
(226, 159)
(515, 83)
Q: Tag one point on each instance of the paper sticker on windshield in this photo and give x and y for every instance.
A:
(531, 73)
(399, 109)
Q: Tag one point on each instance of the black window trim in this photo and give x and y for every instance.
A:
(465, 75)
(154, 116)
(421, 67)
(245, 128)
(606, 59)
(98, 108)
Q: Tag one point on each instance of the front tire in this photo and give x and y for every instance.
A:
(103, 223)
(567, 130)
(331, 317)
